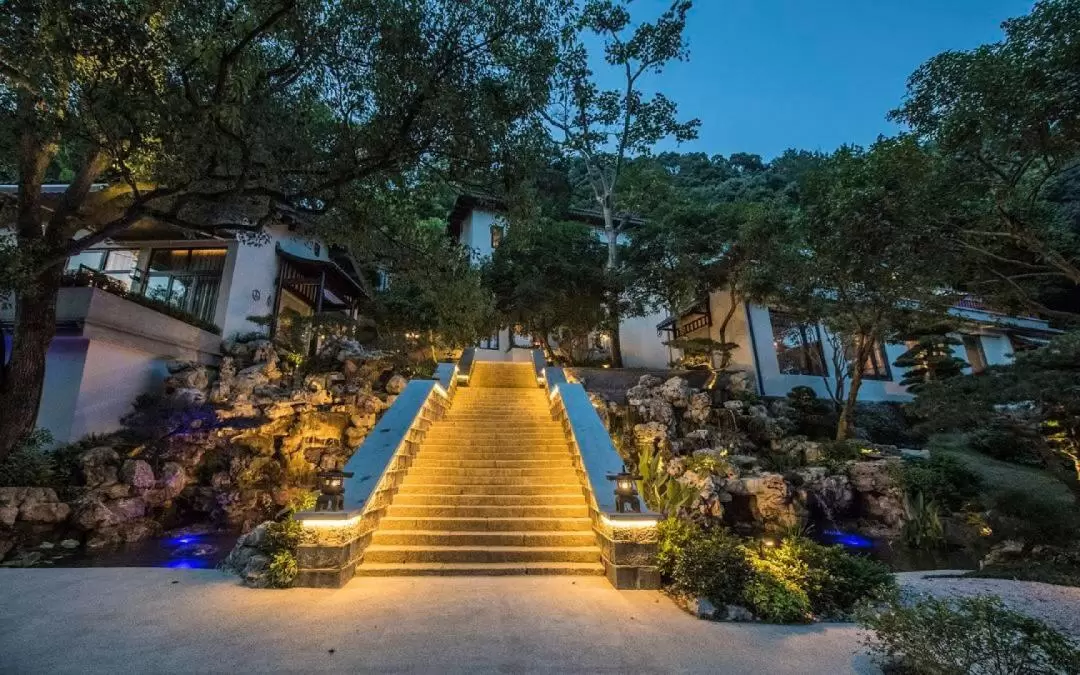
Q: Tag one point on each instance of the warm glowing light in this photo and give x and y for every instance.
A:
(328, 523)
(554, 393)
(630, 524)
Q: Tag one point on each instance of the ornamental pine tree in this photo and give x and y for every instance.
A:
(930, 359)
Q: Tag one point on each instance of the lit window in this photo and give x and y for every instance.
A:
(186, 278)
(876, 366)
(496, 236)
(797, 345)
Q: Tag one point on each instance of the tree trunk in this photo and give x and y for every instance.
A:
(845, 426)
(613, 299)
(24, 374)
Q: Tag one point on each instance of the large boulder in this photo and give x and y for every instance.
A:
(173, 480)
(99, 466)
(138, 474)
(395, 385)
(676, 392)
(31, 504)
(769, 499)
(879, 493)
(699, 409)
(193, 377)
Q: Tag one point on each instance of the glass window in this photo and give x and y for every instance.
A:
(120, 264)
(186, 278)
(876, 366)
(489, 343)
(797, 345)
(496, 236)
(91, 259)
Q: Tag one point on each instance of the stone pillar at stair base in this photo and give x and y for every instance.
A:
(628, 554)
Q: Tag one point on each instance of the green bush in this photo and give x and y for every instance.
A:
(838, 581)
(969, 635)
(815, 418)
(706, 563)
(884, 423)
(1010, 440)
(923, 528)
(787, 583)
(282, 570)
(1016, 514)
(941, 479)
(841, 451)
(30, 464)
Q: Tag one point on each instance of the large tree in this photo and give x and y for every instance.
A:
(602, 128)
(548, 276)
(216, 115)
(861, 255)
(1007, 116)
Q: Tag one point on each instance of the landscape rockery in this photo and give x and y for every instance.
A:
(219, 449)
(757, 495)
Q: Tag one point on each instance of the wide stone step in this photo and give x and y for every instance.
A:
(546, 445)
(523, 435)
(448, 452)
(429, 462)
(417, 487)
(482, 484)
(444, 511)
(472, 569)
(480, 554)
(441, 499)
(509, 538)
(422, 471)
(495, 524)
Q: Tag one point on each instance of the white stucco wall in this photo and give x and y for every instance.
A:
(113, 377)
(64, 365)
(476, 233)
(641, 346)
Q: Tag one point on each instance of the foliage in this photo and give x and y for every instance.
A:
(922, 523)
(435, 290)
(788, 582)
(1047, 564)
(883, 423)
(282, 570)
(548, 276)
(1043, 384)
(1003, 115)
(706, 563)
(660, 490)
(603, 127)
(31, 464)
(211, 116)
(699, 352)
(841, 451)
(1018, 514)
(1011, 438)
(814, 417)
(707, 464)
(941, 479)
(930, 358)
(957, 636)
(283, 535)
(844, 258)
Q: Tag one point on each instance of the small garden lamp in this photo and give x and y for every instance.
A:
(626, 495)
(764, 543)
(332, 486)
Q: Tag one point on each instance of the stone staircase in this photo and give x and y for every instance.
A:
(492, 490)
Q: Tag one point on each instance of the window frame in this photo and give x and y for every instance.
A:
(192, 278)
(882, 371)
(804, 332)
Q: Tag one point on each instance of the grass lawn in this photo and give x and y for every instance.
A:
(999, 476)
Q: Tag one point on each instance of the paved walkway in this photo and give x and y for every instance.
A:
(145, 620)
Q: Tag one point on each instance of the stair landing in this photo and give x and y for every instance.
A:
(492, 491)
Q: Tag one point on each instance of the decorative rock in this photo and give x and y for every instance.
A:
(702, 608)
(649, 381)
(396, 384)
(138, 474)
(660, 410)
(190, 378)
(737, 613)
(173, 480)
(92, 514)
(8, 514)
(69, 544)
(676, 392)
(99, 466)
(131, 508)
(25, 559)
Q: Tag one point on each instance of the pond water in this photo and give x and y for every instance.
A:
(899, 557)
(179, 550)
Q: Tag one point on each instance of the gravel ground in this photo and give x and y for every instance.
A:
(1059, 606)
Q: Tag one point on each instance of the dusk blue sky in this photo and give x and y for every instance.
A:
(766, 75)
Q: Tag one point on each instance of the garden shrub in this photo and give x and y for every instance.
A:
(884, 423)
(790, 582)
(705, 563)
(815, 418)
(941, 479)
(838, 582)
(967, 635)
(923, 528)
(1009, 439)
(282, 570)
(29, 464)
(1016, 514)
(841, 451)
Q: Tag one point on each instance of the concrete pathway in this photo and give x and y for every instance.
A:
(146, 620)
